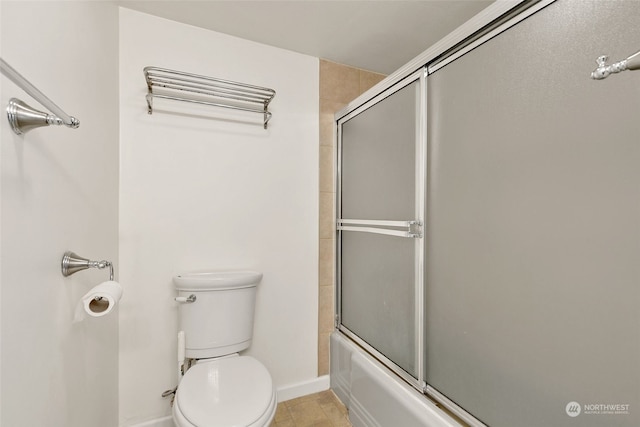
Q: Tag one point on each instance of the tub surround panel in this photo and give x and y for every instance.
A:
(339, 84)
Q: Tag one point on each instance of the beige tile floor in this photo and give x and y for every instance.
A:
(322, 409)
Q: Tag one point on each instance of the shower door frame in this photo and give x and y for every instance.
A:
(495, 19)
(418, 221)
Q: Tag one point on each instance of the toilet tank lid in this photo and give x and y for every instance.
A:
(216, 280)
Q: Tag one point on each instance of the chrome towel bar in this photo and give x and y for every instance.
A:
(183, 86)
(23, 117)
(409, 228)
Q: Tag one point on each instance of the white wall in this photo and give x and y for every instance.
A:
(59, 192)
(198, 192)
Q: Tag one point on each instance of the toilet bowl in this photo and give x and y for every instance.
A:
(222, 388)
(225, 392)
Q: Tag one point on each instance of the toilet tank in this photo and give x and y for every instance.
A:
(220, 319)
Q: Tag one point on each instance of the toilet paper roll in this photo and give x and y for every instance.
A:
(102, 299)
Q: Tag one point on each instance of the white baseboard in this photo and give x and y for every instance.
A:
(303, 388)
(158, 422)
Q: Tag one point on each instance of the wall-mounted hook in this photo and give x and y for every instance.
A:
(603, 71)
(72, 263)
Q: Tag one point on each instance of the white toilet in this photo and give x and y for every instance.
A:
(222, 389)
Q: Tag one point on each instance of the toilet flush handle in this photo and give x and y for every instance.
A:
(186, 300)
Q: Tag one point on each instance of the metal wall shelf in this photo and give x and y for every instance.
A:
(194, 88)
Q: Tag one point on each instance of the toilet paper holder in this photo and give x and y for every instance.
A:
(72, 263)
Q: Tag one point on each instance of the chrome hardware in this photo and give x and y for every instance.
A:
(415, 229)
(171, 393)
(186, 300)
(182, 86)
(423, 386)
(603, 71)
(412, 228)
(168, 393)
(72, 263)
(22, 117)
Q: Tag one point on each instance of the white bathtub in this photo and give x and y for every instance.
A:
(376, 397)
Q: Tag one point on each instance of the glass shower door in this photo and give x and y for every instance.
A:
(380, 214)
(533, 274)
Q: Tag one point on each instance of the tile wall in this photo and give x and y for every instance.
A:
(339, 84)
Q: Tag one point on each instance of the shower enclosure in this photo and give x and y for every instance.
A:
(380, 223)
(488, 222)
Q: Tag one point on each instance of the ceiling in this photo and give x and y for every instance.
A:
(378, 36)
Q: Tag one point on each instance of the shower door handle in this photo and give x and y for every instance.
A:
(410, 228)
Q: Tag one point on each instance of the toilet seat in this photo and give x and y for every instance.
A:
(230, 391)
